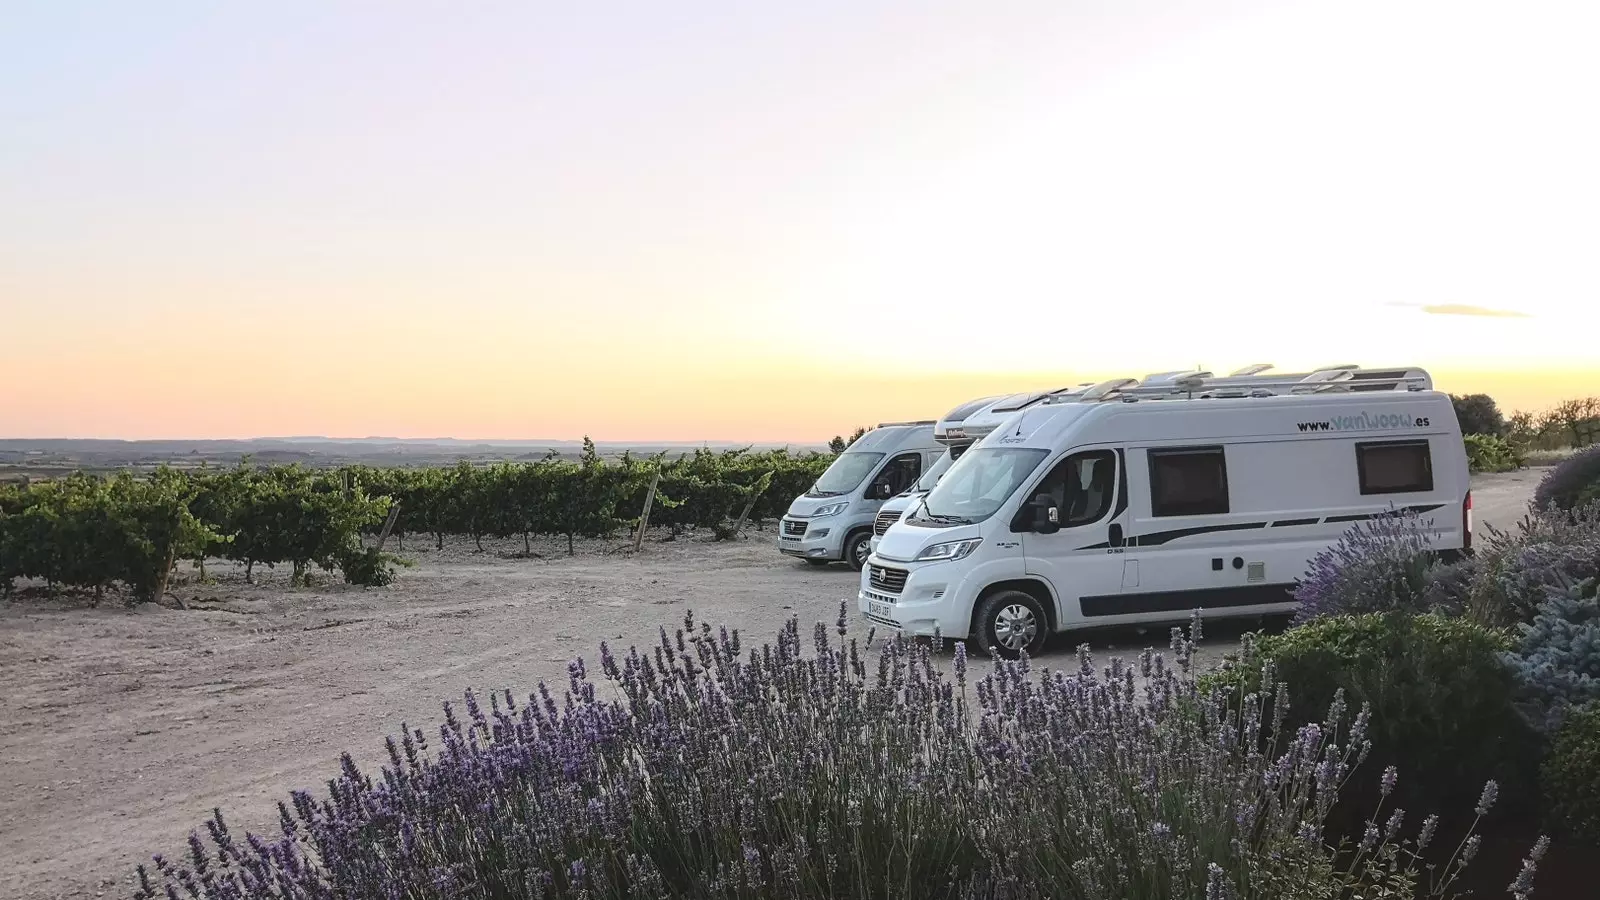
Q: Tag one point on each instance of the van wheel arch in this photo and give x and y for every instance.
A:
(1030, 586)
(862, 532)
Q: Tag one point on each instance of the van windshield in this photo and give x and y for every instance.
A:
(932, 476)
(977, 485)
(848, 471)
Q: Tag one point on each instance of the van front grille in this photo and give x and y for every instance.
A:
(793, 529)
(890, 581)
(884, 520)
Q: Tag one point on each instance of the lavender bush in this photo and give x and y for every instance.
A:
(1380, 565)
(1516, 570)
(854, 771)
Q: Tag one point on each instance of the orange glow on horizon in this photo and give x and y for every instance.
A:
(246, 393)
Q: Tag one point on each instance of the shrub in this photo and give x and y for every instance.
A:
(1572, 775)
(1478, 414)
(1569, 483)
(1516, 570)
(777, 773)
(1447, 587)
(1378, 565)
(1491, 453)
(1557, 662)
(368, 567)
(1441, 699)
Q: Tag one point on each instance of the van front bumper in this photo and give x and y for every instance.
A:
(936, 598)
(818, 538)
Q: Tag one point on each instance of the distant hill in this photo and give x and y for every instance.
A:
(53, 457)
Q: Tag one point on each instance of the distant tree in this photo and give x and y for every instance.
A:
(1577, 421)
(839, 443)
(1478, 414)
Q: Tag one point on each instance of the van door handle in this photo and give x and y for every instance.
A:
(1115, 537)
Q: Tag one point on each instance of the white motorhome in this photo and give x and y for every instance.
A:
(1139, 501)
(833, 520)
(959, 429)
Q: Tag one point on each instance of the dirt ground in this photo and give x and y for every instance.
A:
(121, 729)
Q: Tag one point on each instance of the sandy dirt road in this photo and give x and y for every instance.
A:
(121, 729)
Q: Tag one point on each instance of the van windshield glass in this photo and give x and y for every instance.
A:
(977, 485)
(932, 476)
(848, 471)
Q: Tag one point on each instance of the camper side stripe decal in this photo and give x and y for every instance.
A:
(1183, 601)
(1156, 539)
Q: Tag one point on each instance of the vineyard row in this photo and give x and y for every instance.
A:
(92, 533)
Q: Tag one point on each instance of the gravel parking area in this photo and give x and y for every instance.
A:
(120, 729)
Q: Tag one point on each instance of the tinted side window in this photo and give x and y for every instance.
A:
(902, 472)
(1188, 482)
(1395, 467)
(1082, 487)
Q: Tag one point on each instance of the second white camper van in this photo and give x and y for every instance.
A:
(833, 520)
(959, 429)
(1134, 502)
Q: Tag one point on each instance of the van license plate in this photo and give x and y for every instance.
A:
(879, 609)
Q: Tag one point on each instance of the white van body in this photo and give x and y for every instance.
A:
(832, 521)
(1134, 502)
(958, 430)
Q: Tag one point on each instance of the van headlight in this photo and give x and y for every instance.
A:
(949, 550)
(832, 509)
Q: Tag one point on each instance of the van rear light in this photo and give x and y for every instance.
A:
(1466, 524)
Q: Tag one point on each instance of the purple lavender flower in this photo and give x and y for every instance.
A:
(1377, 566)
(1391, 776)
(799, 765)
(1491, 793)
(1523, 885)
(1425, 837)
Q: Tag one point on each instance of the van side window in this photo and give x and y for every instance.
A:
(902, 472)
(1082, 487)
(1395, 467)
(1192, 481)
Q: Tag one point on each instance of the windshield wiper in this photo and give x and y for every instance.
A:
(953, 520)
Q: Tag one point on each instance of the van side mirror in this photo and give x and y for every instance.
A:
(1046, 517)
(885, 490)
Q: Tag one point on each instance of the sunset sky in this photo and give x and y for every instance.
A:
(773, 221)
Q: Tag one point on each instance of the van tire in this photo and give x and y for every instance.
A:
(857, 548)
(1009, 622)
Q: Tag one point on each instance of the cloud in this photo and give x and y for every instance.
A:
(1464, 309)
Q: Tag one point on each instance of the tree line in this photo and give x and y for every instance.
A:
(92, 533)
(1569, 424)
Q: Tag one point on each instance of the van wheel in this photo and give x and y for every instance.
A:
(1010, 622)
(857, 547)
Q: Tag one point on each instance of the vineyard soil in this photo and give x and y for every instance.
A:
(121, 729)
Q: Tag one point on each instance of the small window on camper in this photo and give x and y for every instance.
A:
(1188, 482)
(1395, 467)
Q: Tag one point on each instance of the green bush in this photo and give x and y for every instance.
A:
(368, 567)
(1441, 699)
(1491, 453)
(1571, 775)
